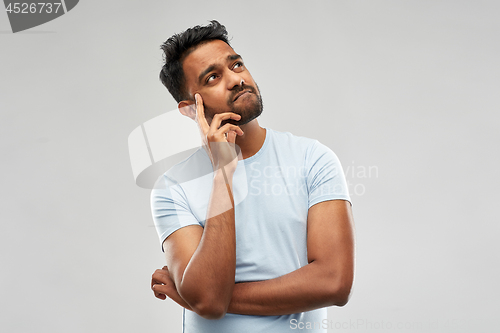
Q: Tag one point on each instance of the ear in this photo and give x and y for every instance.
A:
(187, 108)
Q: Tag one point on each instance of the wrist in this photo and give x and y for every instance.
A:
(224, 175)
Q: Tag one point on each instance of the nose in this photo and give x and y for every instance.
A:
(234, 81)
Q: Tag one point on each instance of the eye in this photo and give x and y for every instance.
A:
(238, 66)
(211, 77)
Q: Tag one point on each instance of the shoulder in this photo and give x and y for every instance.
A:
(310, 152)
(285, 140)
(307, 148)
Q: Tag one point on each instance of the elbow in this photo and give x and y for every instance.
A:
(342, 299)
(210, 310)
(340, 293)
(209, 305)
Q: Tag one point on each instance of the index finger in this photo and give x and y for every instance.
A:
(200, 113)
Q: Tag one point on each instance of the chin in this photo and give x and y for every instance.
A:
(246, 116)
(249, 113)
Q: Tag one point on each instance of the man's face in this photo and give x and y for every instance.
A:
(216, 72)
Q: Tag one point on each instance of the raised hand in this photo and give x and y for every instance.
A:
(220, 140)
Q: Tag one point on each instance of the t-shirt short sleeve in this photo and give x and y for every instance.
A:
(170, 209)
(324, 175)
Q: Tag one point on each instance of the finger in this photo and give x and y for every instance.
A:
(229, 127)
(155, 281)
(161, 289)
(218, 118)
(221, 136)
(160, 276)
(231, 136)
(200, 113)
(158, 293)
(162, 271)
(154, 284)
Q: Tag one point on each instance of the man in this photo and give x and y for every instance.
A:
(259, 243)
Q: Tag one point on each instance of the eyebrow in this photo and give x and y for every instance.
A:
(210, 68)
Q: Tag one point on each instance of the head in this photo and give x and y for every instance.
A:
(200, 60)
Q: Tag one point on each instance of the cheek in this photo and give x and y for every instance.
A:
(215, 99)
(248, 77)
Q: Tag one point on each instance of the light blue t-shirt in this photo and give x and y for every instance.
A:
(273, 191)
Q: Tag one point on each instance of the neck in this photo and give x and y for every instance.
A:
(252, 139)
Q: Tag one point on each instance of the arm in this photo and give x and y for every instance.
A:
(325, 281)
(201, 261)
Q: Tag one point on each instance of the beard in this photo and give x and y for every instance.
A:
(247, 112)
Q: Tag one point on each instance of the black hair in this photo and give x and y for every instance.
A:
(177, 47)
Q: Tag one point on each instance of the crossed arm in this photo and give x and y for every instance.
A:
(326, 280)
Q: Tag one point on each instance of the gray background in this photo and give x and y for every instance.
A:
(408, 88)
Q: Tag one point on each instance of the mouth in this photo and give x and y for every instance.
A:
(238, 95)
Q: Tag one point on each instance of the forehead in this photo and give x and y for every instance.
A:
(205, 55)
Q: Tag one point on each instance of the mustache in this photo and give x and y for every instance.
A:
(239, 89)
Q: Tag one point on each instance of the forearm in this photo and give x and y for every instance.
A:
(208, 278)
(308, 288)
